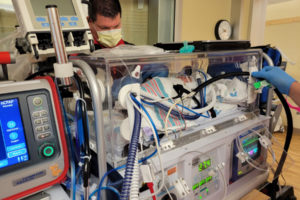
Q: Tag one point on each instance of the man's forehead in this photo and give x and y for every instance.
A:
(108, 21)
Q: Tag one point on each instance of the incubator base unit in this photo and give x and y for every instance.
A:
(33, 150)
(206, 163)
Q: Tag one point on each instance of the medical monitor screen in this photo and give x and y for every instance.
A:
(13, 148)
(252, 147)
(65, 7)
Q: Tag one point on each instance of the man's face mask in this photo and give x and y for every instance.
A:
(109, 38)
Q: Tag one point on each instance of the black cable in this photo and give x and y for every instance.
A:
(79, 84)
(288, 138)
(216, 78)
(41, 72)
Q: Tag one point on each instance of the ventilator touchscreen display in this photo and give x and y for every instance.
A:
(65, 7)
(13, 148)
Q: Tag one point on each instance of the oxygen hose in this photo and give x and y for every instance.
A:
(134, 188)
(288, 137)
(133, 148)
(287, 110)
(216, 78)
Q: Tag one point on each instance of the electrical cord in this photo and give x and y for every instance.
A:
(39, 73)
(224, 183)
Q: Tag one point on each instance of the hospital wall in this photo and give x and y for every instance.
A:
(200, 16)
(8, 21)
(135, 21)
(283, 31)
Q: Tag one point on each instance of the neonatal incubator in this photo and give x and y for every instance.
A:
(200, 132)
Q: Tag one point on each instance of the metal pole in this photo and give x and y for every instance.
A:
(58, 39)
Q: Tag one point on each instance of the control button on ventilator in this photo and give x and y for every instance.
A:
(37, 101)
(36, 114)
(40, 19)
(43, 135)
(45, 24)
(46, 127)
(45, 120)
(72, 23)
(74, 18)
(37, 122)
(47, 150)
(63, 19)
(39, 129)
(44, 112)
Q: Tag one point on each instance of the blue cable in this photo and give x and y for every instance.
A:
(204, 97)
(73, 180)
(79, 128)
(106, 188)
(148, 115)
(190, 110)
(205, 79)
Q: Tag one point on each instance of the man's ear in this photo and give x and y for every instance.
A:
(88, 19)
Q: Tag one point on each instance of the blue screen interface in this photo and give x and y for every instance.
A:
(13, 147)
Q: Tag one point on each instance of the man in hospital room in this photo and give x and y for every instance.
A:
(105, 23)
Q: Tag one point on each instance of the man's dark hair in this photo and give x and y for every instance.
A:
(107, 8)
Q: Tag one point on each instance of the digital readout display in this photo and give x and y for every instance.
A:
(204, 165)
